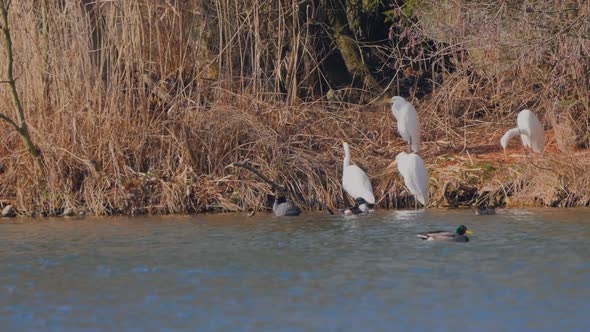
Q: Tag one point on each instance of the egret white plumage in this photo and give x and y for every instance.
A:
(412, 169)
(530, 130)
(354, 180)
(408, 125)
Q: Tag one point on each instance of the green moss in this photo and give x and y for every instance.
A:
(371, 5)
(401, 13)
(472, 180)
(488, 167)
(488, 171)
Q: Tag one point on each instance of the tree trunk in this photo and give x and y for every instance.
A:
(346, 44)
(96, 26)
(45, 30)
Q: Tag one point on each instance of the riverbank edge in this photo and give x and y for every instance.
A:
(456, 181)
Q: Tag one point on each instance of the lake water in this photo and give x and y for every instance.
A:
(524, 270)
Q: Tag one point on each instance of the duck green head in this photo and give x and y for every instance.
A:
(461, 230)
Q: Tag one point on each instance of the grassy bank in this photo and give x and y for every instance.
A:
(140, 107)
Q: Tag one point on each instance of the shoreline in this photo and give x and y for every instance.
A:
(269, 213)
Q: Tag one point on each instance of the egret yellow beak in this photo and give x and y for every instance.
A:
(385, 101)
(392, 167)
(468, 232)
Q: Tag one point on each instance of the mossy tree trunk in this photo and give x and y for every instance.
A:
(340, 20)
(20, 125)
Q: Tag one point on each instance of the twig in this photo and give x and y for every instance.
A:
(469, 155)
(324, 206)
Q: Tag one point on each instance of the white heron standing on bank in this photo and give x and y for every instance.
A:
(530, 130)
(408, 125)
(412, 169)
(355, 181)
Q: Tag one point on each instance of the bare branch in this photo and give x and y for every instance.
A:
(21, 123)
(9, 120)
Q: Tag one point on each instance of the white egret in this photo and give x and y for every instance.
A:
(530, 130)
(457, 236)
(354, 180)
(412, 169)
(284, 207)
(408, 125)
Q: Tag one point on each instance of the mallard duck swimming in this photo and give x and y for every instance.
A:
(284, 207)
(457, 236)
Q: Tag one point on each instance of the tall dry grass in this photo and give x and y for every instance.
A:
(139, 106)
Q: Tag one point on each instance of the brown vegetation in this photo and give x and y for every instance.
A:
(140, 106)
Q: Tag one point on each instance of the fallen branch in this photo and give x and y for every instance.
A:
(245, 165)
(248, 167)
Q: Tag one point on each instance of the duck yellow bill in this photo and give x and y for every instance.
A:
(468, 232)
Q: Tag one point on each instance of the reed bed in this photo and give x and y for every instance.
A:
(141, 106)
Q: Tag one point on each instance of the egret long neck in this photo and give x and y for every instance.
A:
(346, 161)
(509, 134)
